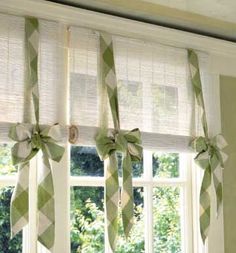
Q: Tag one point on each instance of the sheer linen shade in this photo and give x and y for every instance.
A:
(12, 62)
(153, 82)
(155, 93)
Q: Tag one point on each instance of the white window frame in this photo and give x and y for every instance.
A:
(222, 52)
(148, 182)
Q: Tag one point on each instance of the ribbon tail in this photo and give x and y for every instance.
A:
(19, 209)
(127, 195)
(216, 162)
(219, 195)
(218, 191)
(205, 204)
(46, 205)
(112, 199)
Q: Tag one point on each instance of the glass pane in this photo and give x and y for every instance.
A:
(165, 165)
(86, 162)
(136, 166)
(6, 244)
(87, 220)
(135, 242)
(6, 167)
(166, 218)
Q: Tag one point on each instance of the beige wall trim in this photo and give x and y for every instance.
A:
(162, 15)
(115, 25)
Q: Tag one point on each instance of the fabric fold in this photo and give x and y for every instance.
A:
(210, 156)
(128, 143)
(30, 139)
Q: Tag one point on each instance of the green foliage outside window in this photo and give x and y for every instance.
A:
(6, 244)
(6, 166)
(87, 212)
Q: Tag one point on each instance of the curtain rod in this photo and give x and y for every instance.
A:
(144, 20)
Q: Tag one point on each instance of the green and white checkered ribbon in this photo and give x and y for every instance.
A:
(110, 142)
(31, 138)
(210, 156)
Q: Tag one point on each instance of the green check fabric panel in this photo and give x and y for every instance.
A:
(20, 200)
(31, 138)
(32, 45)
(110, 142)
(197, 87)
(111, 172)
(109, 76)
(210, 156)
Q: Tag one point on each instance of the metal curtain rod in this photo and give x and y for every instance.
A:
(145, 20)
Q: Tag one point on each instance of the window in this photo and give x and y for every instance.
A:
(7, 180)
(162, 197)
(154, 96)
(153, 84)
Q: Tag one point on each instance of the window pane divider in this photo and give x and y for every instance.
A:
(7, 180)
(32, 246)
(148, 205)
(137, 182)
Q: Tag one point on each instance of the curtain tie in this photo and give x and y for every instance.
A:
(128, 143)
(210, 158)
(30, 139)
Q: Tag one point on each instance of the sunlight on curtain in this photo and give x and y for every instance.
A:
(12, 63)
(153, 84)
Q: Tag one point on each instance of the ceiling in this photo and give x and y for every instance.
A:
(216, 18)
(219, 9)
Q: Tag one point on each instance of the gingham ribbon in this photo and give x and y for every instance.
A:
(31, 138)
(108, 143)
(210, 156)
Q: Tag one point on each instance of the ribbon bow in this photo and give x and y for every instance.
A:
(29, 140)
(128, 143)
(210, 158)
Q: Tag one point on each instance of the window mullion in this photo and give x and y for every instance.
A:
(32, 229)
(106, 240)
(148, 206)
(186, 203)
(7, 181)
(25, 240)
(61, 170)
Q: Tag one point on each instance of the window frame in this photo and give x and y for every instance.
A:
(148, 183)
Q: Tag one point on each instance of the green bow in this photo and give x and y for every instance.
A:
(210, 158)
(30, 140)
(129, 144)
(122, 141)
